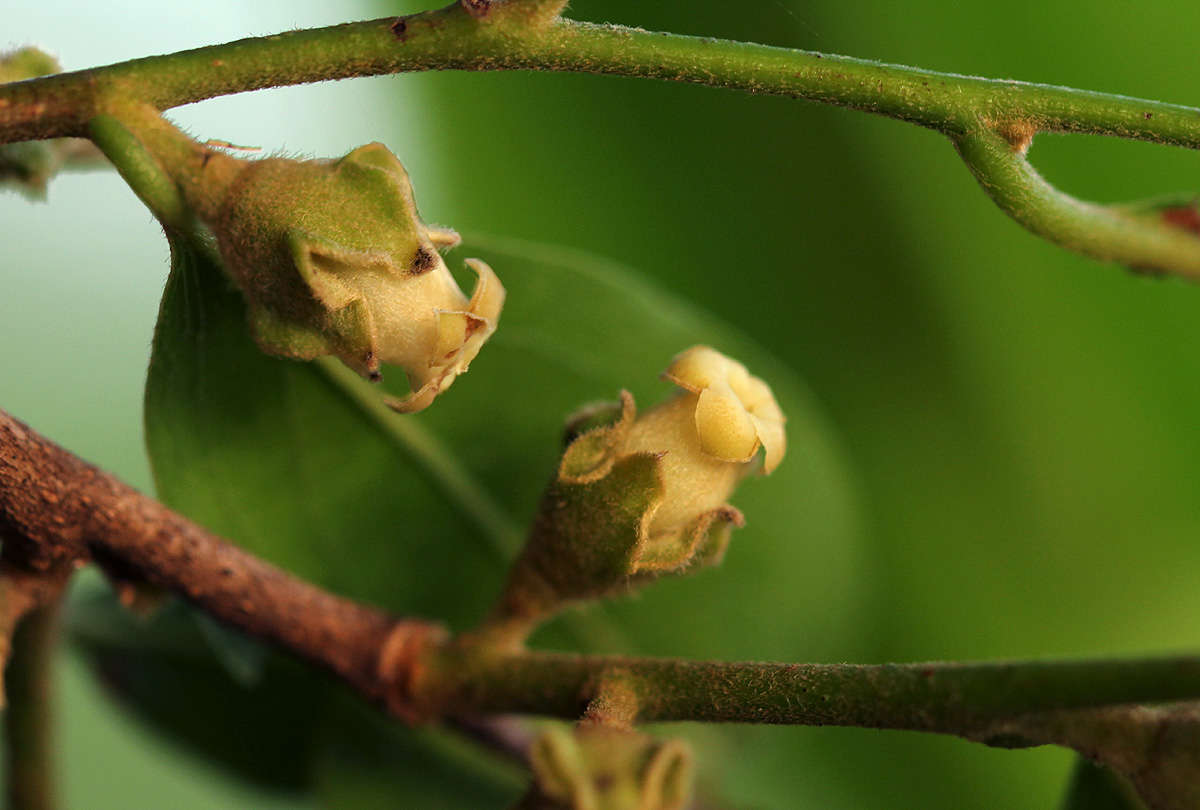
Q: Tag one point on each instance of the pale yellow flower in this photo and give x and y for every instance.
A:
(708, 435)
(333, 259)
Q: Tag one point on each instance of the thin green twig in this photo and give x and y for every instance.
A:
(981, 115)
(1139, 239)
(963, 699)
(452, 38)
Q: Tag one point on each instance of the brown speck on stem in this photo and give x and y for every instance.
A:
(1018, 132)
(1186, 217)
(476, 8)
(399, 28)
(1148, 115)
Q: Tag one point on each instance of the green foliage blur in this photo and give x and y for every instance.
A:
(1010, 424)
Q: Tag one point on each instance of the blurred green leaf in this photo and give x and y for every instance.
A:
(243, 658)
(1095, 787)
(367, 762)
(273, 455)
(157, 666)
(578, 328)
(283, 458)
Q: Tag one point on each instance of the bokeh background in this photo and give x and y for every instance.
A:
(1012, 426)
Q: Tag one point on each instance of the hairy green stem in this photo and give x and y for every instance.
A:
(453, 38)
(141, 170)
(1141, 240)
(964, 699)
(979, 114)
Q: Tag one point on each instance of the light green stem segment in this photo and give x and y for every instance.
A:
(141, 170)
(963, 699)
(1139, 240)
(527, 35)
(453, 38)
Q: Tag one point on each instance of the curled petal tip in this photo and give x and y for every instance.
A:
(487, 299)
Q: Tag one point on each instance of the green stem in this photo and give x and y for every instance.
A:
(141, 170)
(28, 720)
(980, 114)
(965, 699)
(452, 38)
(1137, 240)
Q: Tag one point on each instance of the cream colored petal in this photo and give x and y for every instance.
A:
(478, 331)
(774, 440)
(697, 368)
(736, 375)
(451, 334)
(667, 779)
(487, 299)
(753, 392)
(726, 430)
(419, 400)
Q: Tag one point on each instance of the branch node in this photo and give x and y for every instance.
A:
(401, 666)
(1019, 132)
(615, 701)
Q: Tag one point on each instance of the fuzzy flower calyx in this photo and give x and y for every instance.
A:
(333, 259)
(597, 768)
(637, 496)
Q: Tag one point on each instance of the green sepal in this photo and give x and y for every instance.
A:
(443, 238)
(321, 266)
(588, 535)
(275, 335)
(354, 338)
(340, 323)
(598, 430)
(383, 194)
(592, 417)
(701, 543)
(592, 537)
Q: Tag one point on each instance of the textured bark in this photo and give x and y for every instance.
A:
(57, 511)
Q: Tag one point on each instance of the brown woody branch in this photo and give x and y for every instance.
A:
(58, 512)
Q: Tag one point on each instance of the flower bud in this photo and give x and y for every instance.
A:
(600, 768)
(333, 259)
(637, 496)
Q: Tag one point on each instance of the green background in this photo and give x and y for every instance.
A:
(1017, 422)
